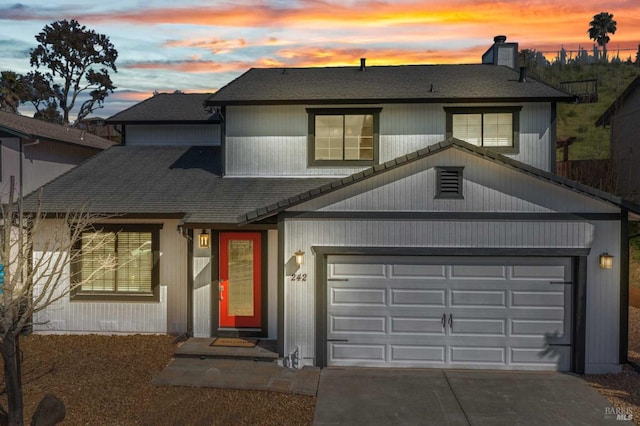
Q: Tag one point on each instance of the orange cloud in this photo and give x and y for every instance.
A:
(190, 66)
(215, 46)
(129, 95)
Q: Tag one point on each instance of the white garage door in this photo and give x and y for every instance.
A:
(454, 312)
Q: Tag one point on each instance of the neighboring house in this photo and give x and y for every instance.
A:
(342, 214)
(623, 117)
(169, 119)
(35, 152)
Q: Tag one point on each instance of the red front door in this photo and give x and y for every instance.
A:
(240, 279)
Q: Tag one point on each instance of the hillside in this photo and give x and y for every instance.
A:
(579, 119)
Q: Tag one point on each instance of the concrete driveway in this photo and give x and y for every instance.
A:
(362, 396)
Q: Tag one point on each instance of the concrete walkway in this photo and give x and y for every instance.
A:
(353, 396)
(238, 374)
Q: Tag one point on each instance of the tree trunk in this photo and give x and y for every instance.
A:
(10, 349)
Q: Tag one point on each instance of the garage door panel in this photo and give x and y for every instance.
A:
(555, 358)
(485, 355)
(478, 298)
(541, 272)
(359, 325)
(358, 296)
(531, 328)
(417, 325)
(352, 353)
(425, 298)
(478, 326)
(418, 271)
(417, 353)
(479, 272)
(357, 270)
(537, 299)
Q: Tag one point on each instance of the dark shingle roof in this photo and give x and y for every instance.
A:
(164, 181)
(30, 128)
(407, 83)
(168, 108)
(302, 197)
(605, 118)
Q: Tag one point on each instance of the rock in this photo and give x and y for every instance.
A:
(50, 412)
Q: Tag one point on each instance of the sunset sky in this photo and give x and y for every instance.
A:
(199, 46)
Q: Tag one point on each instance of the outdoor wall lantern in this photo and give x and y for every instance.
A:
(299, 257)
(606, 261)
(203, 239)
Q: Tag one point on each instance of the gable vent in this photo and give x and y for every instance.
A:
(449, 182)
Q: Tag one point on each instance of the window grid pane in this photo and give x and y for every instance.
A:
(344, 137)
(486, 129)
(498, 129)
(468, 127)
(329, 135)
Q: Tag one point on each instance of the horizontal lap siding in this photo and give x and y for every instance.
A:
(168, 315)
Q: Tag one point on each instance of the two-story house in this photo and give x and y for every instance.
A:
(393, 216)
(34, 152)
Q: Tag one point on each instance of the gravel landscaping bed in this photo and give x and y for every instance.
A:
(107, 380)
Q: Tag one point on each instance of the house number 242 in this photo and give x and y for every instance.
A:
(298, 277)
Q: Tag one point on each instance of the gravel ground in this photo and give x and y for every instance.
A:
(106, 380)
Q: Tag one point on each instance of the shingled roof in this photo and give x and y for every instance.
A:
(168, 108)
(173, 181)
(388, 84)
(30, 128)
(284, 204)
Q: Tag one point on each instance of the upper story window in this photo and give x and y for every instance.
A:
(135, 276)
(343, 137)
(492, 127)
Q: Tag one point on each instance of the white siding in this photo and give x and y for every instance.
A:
(172, 134)
(272, 140)
(166, 316)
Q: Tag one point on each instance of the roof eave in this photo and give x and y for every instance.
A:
(162, 121)
(214, 102)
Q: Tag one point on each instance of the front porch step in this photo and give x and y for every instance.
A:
(196, 347)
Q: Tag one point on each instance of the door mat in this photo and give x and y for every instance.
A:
(236, 342)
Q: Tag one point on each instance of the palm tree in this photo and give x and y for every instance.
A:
(600, 28)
